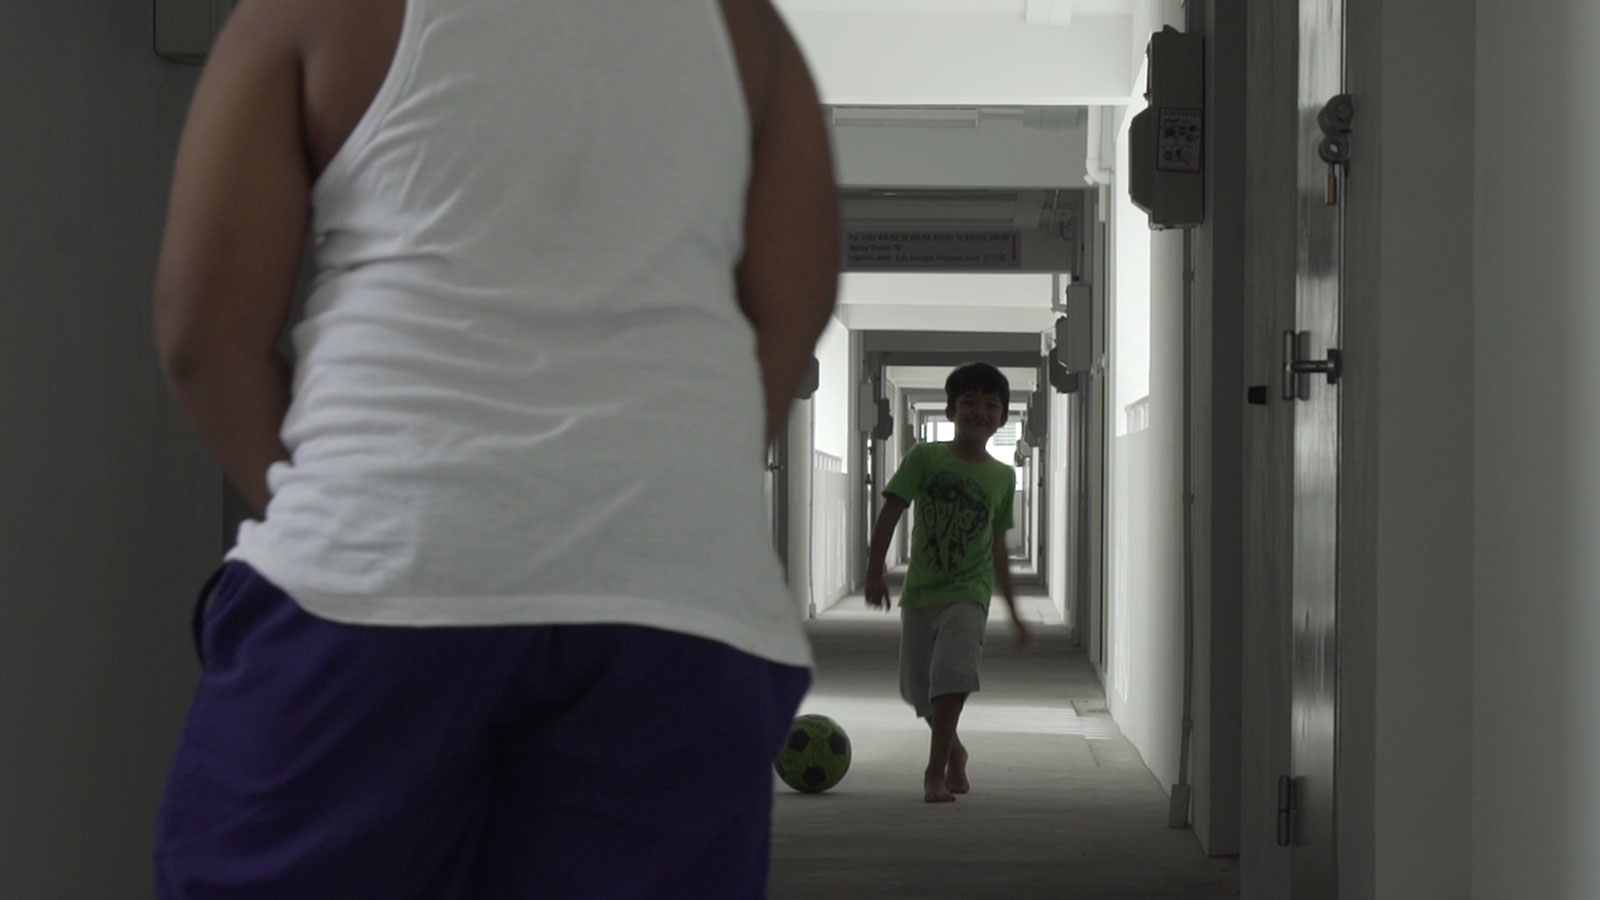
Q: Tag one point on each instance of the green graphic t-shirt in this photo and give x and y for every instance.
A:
(958, 507)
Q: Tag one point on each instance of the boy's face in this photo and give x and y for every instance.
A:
(977, 415)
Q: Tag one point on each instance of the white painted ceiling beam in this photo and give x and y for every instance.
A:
(933, 378)
(870, 301)
(867, 58)
(884, 317)
(1002, 8)
(1000, 151)
(1027, 291)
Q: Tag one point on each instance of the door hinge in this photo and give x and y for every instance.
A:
(1288, 810)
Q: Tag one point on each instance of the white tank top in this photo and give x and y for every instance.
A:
(524, 392)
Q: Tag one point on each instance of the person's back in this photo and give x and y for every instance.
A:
(571, 259)
(523, 351)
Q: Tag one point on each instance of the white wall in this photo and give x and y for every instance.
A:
(110, 516)
(1130, 355)
(1143, 670)
(834, 430)
(1406, 521)
(1144, 673)
(830, 483)
(1535, 717)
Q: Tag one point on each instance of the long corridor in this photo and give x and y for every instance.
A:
(1061, 804)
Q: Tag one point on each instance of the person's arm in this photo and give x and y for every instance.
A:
(788, 279)
(1008, 586)
(882, 533)
(230, 255)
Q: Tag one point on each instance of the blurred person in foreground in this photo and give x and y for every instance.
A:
(509, 623)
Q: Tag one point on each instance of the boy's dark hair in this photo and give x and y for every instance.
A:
(980, 377)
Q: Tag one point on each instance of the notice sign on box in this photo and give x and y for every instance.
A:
(1178, 145)
(922, 250)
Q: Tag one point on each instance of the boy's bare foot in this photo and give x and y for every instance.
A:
(955, 776)
(934, 790)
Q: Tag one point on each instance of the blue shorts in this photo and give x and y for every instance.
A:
(323, 760)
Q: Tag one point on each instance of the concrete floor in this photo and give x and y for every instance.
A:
(1061, 804)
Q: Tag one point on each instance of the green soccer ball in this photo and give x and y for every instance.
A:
(815, 755)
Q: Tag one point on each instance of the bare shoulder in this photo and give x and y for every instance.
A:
(341, 51)
(765, 50)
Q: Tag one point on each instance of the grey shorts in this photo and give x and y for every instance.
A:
(939, 651)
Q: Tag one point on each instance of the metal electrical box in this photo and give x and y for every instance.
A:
(1036, 421)
(810, 380)
(1063, 381)
(867, 408)
(874, 414)
(184, 29)
(1075, 330)
(1166, 142)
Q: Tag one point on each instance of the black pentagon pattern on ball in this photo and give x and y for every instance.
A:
(815, 754)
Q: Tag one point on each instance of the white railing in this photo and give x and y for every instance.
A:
(1137, 415)
(830, 529)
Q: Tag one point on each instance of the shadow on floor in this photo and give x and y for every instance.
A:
(1061, 804)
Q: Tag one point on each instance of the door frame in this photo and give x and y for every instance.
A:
(1271, 115)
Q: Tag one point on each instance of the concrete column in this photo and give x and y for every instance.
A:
(1536, 386)
(1060, 505)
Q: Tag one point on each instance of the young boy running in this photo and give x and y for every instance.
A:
(958, 552)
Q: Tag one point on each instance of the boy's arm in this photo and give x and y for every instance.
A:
(1008, 587)
(882, 534)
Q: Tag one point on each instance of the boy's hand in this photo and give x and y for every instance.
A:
(877, 591)
(882, 534)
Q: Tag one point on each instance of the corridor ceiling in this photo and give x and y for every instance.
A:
(966, 114)
(970, 52)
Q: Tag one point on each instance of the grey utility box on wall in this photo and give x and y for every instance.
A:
(1075, 329)
(1166, 142)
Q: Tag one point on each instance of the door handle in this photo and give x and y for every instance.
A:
(1296, 367)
